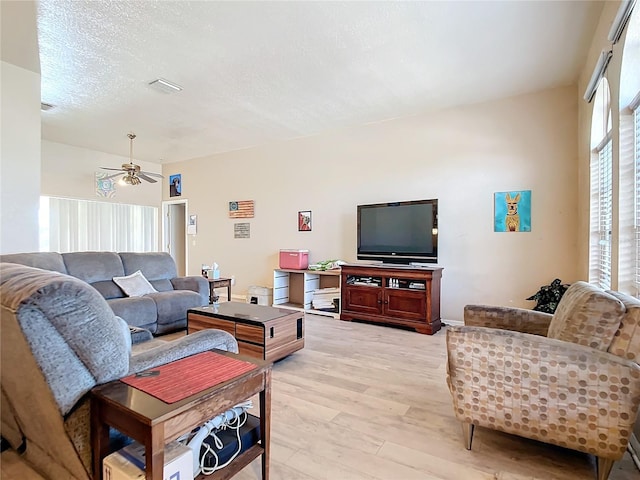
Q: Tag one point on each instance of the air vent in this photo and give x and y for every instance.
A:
(165, 86)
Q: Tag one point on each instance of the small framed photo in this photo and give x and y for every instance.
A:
(304, 221)
(175, 185)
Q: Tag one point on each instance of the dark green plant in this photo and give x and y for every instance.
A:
(549, 296)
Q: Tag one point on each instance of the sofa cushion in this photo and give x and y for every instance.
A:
(626, 343)
(94, 267)
(134, 285)
(136, 311)
(153, 265)
(172, 306)
(108, 289)
(52, 261)
(587, 315)
(162, 285)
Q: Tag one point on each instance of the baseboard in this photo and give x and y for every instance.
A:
(634, 450)
(453, 323)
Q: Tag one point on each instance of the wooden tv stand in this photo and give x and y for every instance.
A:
(392, 294)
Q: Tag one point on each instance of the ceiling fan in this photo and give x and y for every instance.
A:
(132, 172)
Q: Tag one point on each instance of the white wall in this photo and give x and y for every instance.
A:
(69, 172)
(460, 156)
(19, 158)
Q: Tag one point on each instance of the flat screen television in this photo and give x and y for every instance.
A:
(399, 232)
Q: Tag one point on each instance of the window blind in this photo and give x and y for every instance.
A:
(605, 203)
(636, 136)
(71, 225)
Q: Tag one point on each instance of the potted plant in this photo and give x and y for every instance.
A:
(548, 297)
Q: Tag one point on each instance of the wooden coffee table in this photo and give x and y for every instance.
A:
(263, 332)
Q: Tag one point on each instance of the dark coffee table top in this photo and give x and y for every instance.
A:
(244, 312)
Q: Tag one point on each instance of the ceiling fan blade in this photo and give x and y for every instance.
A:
(151, 174)
(107, 168)
(147, 178)
(113, 175)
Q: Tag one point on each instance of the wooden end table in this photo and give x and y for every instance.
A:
(155, 423)
(219, 283)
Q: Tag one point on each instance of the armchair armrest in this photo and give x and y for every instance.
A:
(545, 389)
(186, 346)
(194, 283)
(507, 318)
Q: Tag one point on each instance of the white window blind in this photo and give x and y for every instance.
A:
(601, 198)
(605, 203)
(636, 136)
(70, 225)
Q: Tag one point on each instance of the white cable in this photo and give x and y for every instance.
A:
(194, 439)
(239, 421)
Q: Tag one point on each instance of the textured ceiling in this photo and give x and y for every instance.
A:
(259, 72)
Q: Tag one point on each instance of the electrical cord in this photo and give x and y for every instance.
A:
(239, 421)
(195, 439)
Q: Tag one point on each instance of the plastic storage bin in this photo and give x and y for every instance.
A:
(294, 259)
(260, 295)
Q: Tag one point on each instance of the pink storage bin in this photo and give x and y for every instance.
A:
(294, 259)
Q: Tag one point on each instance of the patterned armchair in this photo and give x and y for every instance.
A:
(571, 379)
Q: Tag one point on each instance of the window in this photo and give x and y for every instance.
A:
(69, 225)
(636, 136)
(604, 220)
(601, 190)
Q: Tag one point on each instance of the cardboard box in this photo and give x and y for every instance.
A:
(294, 259)
(128, 463)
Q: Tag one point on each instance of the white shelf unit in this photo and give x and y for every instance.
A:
(294, 288)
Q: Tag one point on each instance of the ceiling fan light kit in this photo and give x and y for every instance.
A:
(130, 180)
(132, 173)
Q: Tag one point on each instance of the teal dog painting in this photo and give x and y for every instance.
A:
(512, 211)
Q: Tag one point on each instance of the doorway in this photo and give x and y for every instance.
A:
(174, 232)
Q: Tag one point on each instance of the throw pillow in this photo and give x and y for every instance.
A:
(134, 285)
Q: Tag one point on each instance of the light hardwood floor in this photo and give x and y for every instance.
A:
(366, 402)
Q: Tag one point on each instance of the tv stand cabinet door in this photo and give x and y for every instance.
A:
(362, 300)
(405, 305)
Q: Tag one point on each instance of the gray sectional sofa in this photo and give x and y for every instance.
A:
(160, 312)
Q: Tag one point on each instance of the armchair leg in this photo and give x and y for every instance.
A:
(467, 433)
(604, 467)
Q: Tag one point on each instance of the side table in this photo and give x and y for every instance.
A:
(219, 283)
(155, 423)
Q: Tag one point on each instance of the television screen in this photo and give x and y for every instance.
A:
(399, 232)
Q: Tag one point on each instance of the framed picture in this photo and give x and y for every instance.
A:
(512, 211)
(241, 209)
(105, 186)
(304, 221)
(175, 185)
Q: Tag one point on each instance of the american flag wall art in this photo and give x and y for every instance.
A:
(241, 209)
